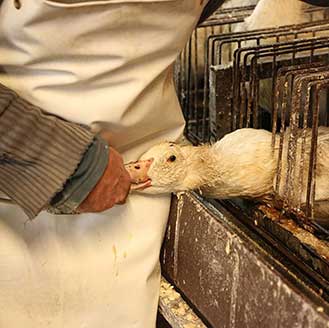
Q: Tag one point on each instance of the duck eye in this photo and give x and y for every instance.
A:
(172, 158)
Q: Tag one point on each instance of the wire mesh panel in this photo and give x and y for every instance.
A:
(230, 78)
(301, 99)
(192, 68)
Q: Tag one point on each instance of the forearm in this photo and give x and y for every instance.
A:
(38, 152)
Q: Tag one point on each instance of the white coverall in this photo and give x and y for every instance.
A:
(92, 61)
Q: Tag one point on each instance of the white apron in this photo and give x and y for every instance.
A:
(107, 62)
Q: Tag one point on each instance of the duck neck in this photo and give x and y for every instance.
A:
(275, 13)
(199, 163)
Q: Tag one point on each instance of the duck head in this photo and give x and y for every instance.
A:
(162, 169)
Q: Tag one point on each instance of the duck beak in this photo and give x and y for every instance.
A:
(138, 174)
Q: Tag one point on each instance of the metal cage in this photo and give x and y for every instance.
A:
(274, 79)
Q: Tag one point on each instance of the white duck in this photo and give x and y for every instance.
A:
(242, 164)
(275, 13)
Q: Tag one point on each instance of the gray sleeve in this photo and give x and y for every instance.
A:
(84, 179)
(38, 152)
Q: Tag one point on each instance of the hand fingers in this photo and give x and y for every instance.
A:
(113, 187)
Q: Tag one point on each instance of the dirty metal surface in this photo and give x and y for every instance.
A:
(232, 276)
(313, 251)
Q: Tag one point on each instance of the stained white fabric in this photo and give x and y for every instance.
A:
(106, 63)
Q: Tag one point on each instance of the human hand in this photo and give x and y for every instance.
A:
(112, 188)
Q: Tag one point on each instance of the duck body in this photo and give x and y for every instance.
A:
(242, 164)
(275, 13)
